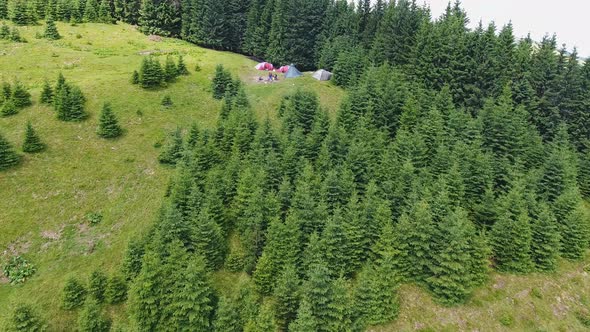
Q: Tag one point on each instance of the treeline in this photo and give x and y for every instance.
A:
(328, 217)
(550, 81)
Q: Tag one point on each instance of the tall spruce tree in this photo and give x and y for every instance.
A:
(545, 240)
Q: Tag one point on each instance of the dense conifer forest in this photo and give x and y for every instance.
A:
(456, 152)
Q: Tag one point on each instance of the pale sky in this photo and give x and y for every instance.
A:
(569, 19)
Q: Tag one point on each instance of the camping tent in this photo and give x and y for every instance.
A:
(322, 75)
(292, 72)
(283, 69)
(265, 66)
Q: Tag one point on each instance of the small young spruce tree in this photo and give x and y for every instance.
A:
(92, 320)
(97, 286)
(46, 93)
(8, 108)
(181, 67)
(21, 96)
(32, 141)
(51, 30)
(74, 294)
(8, 157)
(25, 319)
(108, 126)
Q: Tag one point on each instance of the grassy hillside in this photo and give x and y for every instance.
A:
(44, 201)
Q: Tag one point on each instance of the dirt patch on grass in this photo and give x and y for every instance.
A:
(18, 247)
(155, 38)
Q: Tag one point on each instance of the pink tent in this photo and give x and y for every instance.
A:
(265, 66)
(283, 69)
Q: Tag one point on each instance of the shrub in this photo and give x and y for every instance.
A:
(94, 218)
(167, 101)
(18, 270)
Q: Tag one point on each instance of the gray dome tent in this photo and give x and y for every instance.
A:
(292, 72)
(322, 75)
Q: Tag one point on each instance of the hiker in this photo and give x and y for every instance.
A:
(270, 77)
(276, 77)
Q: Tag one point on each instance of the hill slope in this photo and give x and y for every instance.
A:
(45, 200)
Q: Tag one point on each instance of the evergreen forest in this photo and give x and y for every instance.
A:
(455, 154)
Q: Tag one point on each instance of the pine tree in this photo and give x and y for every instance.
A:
(208, 239)
(227, 316)
(4, 31)
(545, 241)
(32, 141)
(265, 321)
(416, 232)
(20, 96)
(8, 108)
(318, 291)
(511, 241)
(104, 12)
(181, 66)
(76, 102)
(135, 77)
(287, 296)
(575, 234)
(8, 157)
(306, 321)
(20, 13)
(108, 126)
(25, 319)
(191, 303)
(46, 94)
(74, 294)
(97, 286)
(116, 291)
(451, 279)
(145, 293)
(91, 11)
(51, 29)
(151, 74)
(3, 10)
(15, 36)
(167, 101)
(170, 70)
(221, 82)
(92, 320)
(264, 275)
(173, 150)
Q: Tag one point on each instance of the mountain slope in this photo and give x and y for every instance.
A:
(45, 200)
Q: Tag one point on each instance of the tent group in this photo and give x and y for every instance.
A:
(291, 71)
